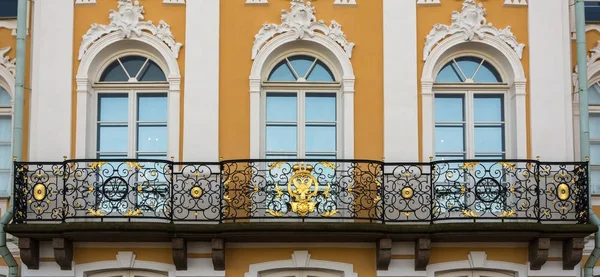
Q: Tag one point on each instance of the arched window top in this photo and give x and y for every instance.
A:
(4, 98)
(301, 68)
(468, 69)
(133, 68)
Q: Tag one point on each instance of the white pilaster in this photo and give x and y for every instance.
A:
(400, 81)
(551, 127)
(52, 79)
(201, 96)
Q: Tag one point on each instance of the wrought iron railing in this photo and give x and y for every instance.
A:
(300, 190)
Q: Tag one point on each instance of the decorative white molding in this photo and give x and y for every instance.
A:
(125, 259)
(84, 2)
(471, 22)
(428, 2)
(301, 259)
(82, 270)
(591, 60)
(515, 3)
(6, 61)
(257, 2)
(345, 3)
(174, 2)
(127, 22)
(301, 21)
(477, 259)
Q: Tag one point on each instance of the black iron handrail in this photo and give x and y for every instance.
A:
(272, 190)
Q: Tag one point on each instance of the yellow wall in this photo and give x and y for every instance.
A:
(85, 15)
(362, 25)
(499, 16)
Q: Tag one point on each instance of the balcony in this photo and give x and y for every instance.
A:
(301, 200)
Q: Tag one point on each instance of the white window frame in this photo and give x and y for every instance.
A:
(301, 88)
(132, 89)
(468, 92)
(8, 111)
(594, 109)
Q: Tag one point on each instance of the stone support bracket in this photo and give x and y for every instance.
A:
(63, 252)
(572, 252)
(180, 253)
(422, 247)
(30, 252)
(218, 254)
(384, 253)
(538, 253)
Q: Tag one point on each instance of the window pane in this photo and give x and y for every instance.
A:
(320, 73)
(449, 139)
(4, 182)
(133, 64)
(113, 107)
(447, 157)
(5, 128)
(4, 98)
(8, 8)
(112, 138)
(595, 153)
(281, 107)
(487, 74)
(281, 157)
(152, 73)
(594, 125)
(301, 64)
(595, 183)
(152, 139)
(114, 73)
(448, 108)
(5, 156)
(281, 138)
(152, 107)
(320, 107)
(449, 74)
(489, 138)
(321, 138)
(592, 11)
(282, 73)
(488, 108)
(468, 65)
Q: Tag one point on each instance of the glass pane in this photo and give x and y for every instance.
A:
(281, 138)
(594, 94)
(488, 108)
(282, 73)
(152, 139)
(152, 73)
(489, 139)
(5, 156)
(5, 128)
(112, 107)
(4, 182)
(323, 157)
(4, 98)
(487, 74)
(281, 107)
(449, 139)
(320, 107)
(321, 138)
(152, 107)
(449, 74)
(595, 153)
(112, 138)
(281, 157)
(447, 157)
(133, 64)
(320, 73)
(595, 181)
(114, 73)
(449, 108)
(468, 65)
(595, 126)
(301, 64)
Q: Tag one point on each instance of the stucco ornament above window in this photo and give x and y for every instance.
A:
(592, 59)
(472, 23)
(301, 20)
(6, 61)
(128, 22)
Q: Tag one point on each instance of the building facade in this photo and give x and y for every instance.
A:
(259, 138)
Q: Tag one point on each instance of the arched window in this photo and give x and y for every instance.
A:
(5, 139)
(594, 102)
(470, 112)
(301, 110)
(132, 110)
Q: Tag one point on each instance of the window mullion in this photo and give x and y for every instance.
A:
(301, 124)
(132, 124)
(469, 126)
